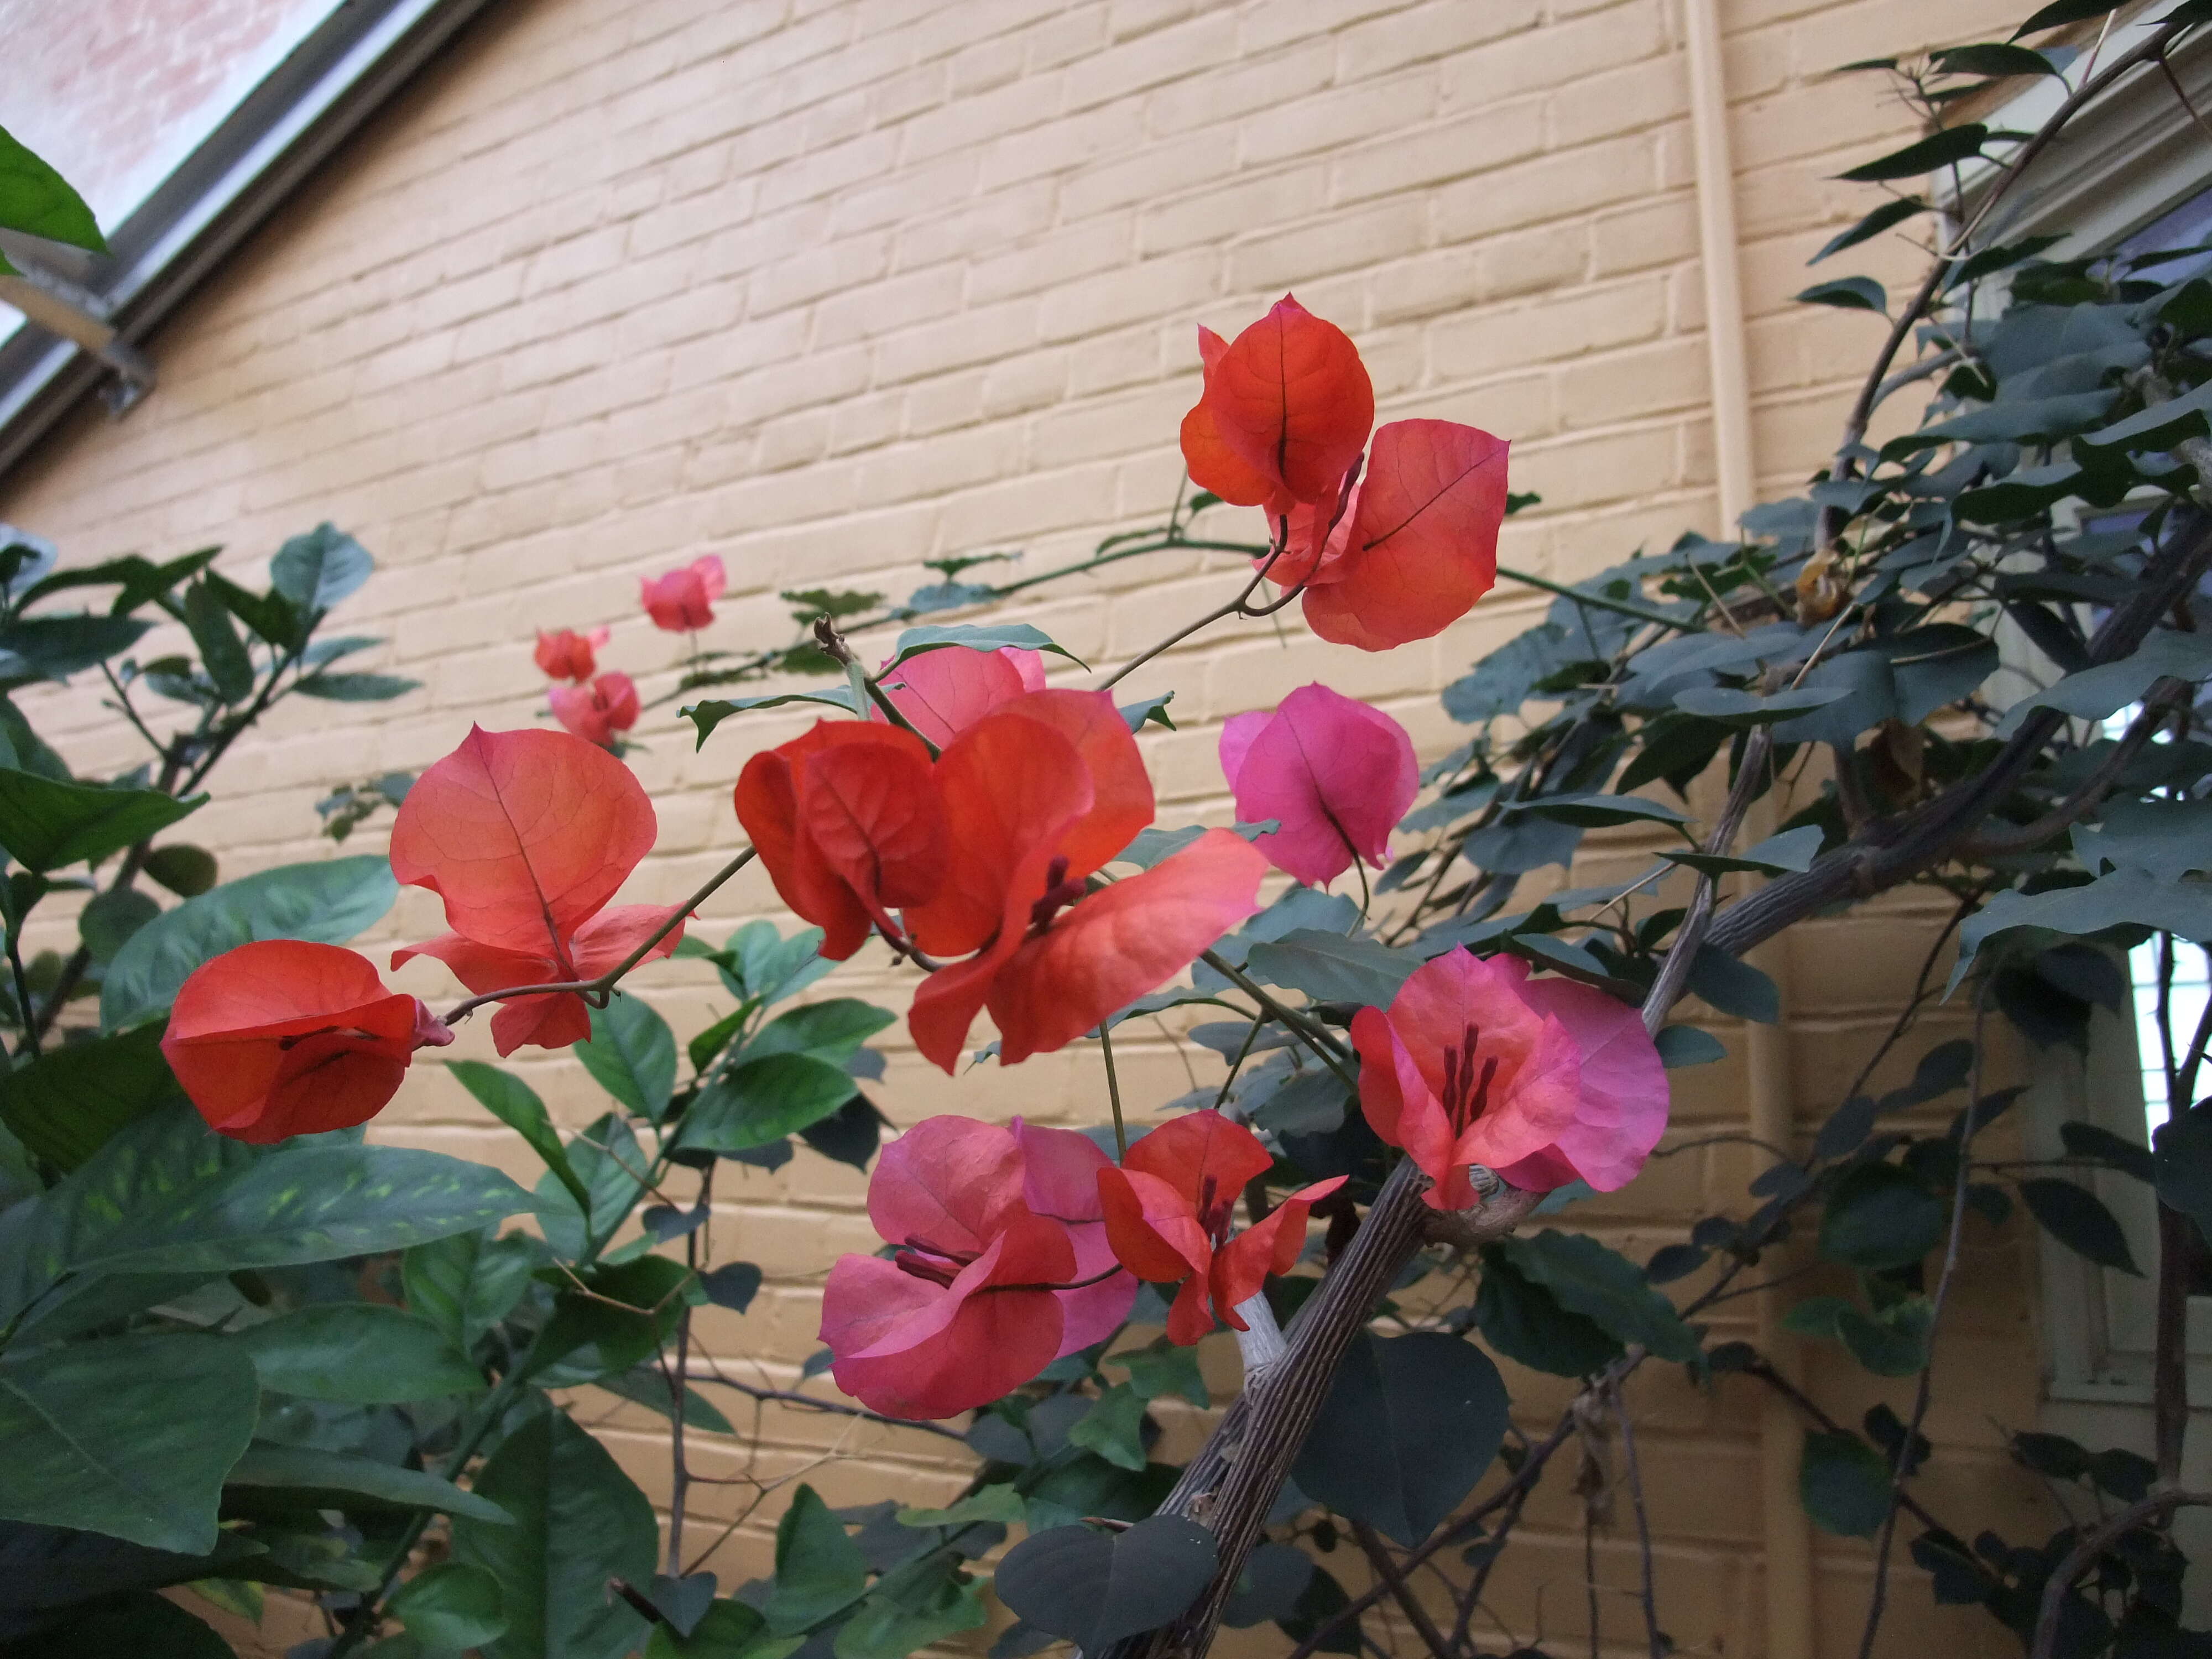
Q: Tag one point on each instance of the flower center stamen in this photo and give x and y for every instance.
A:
(1059, 893)
(1467, 1091)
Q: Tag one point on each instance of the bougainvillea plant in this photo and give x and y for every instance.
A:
(242, 1345)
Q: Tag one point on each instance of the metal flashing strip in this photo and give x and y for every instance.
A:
(299, 115)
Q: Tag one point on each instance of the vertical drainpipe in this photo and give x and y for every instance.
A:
(1786, 1535)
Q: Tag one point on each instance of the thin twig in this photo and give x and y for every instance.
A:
(1378, 1556)
(2159, 1505)
(1654, 1636)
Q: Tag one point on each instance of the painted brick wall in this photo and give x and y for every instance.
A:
(831, 289)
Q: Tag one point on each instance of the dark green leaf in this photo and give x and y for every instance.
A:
(1410, 1424)
(314, 571)
(994, 1503)
(762, 1101)
(2183, 1160)
(1892, 1342)
(108, 920)
(766, 966)
(185, 870)
(467, 1283)
(706, 716)
(516, 1104)
(977, 636)
(1878, 1216)
(1097, 1588)
(1882, 218)
(1601, 811)
(166, 1196)
(44, 825)
(1741, 709)
(733, 1285)
(1164, 1368)
(36, 199)
(832, 1032)
(1606, 1287)
(2157, 429)
(142, 1624)
(1274, 1581)
(1686, 1045)
(328, 1478)
(1321, 1609)
(728, 1630)
(54, 647)
(606, 1157)
(701, 1049)
(453, 1605)
(269, 615)
(128, 1436)
(819, 1571)
(1114, 1427)
(364, 1351)
(1849, 294)
(2061, 12)
(1523, 1321)
(1734, 986)
(1939, 150)
(66, 1106)
(649, 1387)
(911, 1607)
(1154, 709)
(2167, 839)
(222, 653)
(625, 1312)
(632, 1054)
(579, 1521)
(850, 1134)
(329, 903)
(1845, 1485)
(1991, 58)
(2184, 908)
(2077, 1219)
(354, 688)
(1331, 967)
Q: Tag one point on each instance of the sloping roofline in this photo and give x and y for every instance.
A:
(92, 313)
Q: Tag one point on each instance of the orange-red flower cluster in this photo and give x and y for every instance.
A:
(1397, 555)
(985, 853)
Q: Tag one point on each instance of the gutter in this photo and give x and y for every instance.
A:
(91, 314)
(1786, 1534)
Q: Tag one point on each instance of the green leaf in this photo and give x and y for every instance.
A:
(314, 571)
(765, 967)
(2184, 908)
(54, 647)
(2159, 427)
(819, 1571)
(1939, 150)
(1882, 218)
(166, 1196)
(44, 825)
(831, 1031)
(341, 1477)
(910, 1608)
(1734, 986)
(2061, 12)
(2091, 1140)
(728, 1630)
(128, 1436)
(1686, 1045)
(977, 636)
(221, 652)
(467, 1283)
(1894, 1342)
(516, 1104)
(995, 1503)
(1605, 1287)
(1331, 967)
(1410, 1424)
(1523, 1321)
(2077, 1219)
(702, 1049)
(453, 1605)
(1849, 294)
(632, 1054)
(36, 199)
(1988, 57)
(108, 920)
(610, 1176)
(1601, 811)
(630, 1312)
(328, 902)
(1878, 1216)
(1154, 709)
(1114, 1428)
(269, 615)
(2166, 839)
(1097, 1588)
(140, 1623)
(2183, 1155)
(365, 1351)
(1791, 851)
(762, 1101)
(64, 1106)
(1843, 1483)
(1741, 709)
(646, 1386)
(706, 716)
(579, 1521)
(355, 687)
